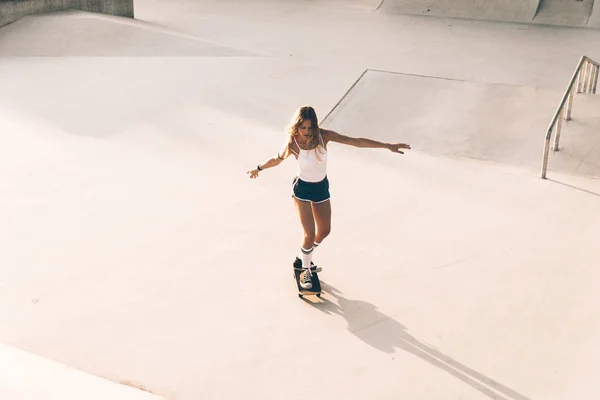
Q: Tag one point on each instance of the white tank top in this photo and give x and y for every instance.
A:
(312, 167)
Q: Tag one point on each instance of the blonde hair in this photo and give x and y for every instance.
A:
(306, 113)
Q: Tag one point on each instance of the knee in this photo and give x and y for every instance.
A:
(309, 237)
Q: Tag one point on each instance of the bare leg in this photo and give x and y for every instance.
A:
(322, 216)
(308, 225)
(308, 222)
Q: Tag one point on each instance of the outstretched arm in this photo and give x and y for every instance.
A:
(363, 142)
(271, 162)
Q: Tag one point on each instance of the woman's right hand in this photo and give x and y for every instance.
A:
(253, 173)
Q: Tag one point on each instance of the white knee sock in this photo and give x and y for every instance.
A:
(306, 255)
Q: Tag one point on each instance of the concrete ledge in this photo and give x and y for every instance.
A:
(12, 10)
(26, 376)
(583, 13)
(496, 10)
(564, 13)
(594, 21)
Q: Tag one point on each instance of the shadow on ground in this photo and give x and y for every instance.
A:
(574, 187)
(390, 335)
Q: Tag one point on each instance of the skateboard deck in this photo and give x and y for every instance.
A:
(316, 283)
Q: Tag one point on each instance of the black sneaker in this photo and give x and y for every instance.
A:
(313, 267)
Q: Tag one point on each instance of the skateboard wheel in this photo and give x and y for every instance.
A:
(299, 295)
(319, 295)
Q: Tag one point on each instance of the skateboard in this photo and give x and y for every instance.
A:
(316, 283)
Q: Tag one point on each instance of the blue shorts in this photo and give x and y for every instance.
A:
(314, 192)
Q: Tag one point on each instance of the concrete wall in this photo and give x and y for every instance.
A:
(582, 13)
(12, 10)
(496, 10)
(564, 12)
(594, 21)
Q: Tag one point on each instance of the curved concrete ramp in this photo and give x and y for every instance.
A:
(79, 33)
(495, 10)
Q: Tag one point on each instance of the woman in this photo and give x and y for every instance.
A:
(308, 144)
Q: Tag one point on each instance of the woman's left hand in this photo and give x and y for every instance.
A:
(395, 147)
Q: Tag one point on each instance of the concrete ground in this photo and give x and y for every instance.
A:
(135, 249)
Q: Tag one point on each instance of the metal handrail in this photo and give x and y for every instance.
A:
(585, 82)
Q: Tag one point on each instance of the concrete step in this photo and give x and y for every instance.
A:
(26, 376)
(564, 12)
(483, 121)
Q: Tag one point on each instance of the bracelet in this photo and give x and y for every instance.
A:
(258, 167)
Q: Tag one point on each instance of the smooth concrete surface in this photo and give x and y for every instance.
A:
(28, 376)
(470, 119)
(108, 36)
(13, 10)
(579, 140)
(135, 248)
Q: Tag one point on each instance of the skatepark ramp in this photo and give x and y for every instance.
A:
(82, 33)
(578, 13)
(29, 376)
(459, 119)
(584, 80)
